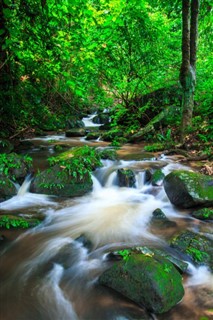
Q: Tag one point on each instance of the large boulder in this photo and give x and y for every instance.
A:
(59, 182)
(187, 189)
(149, 280)
(69, 174)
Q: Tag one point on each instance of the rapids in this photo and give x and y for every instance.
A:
(49, 273)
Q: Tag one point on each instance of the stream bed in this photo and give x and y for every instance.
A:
(47, 273)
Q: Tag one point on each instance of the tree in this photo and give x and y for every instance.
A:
(190, 10)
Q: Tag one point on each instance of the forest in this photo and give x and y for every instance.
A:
(60, 60)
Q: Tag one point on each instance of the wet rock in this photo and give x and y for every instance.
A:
(203, 214)
(16, 167)
(148, 280)
(198, 247)
(160, 220)
(7, 188)
(101, 118)
(186, 189)
(58, 181)
(157, 178)
(75, 132)
(126, 178)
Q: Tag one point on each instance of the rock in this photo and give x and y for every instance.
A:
(160, 220)
(101, 118)
(75, 132)
(148, 280)
(186, 189)
(198, 247)
(7, 188)
(59, 182)
(157, 178)
(126, 178)
(203, 214)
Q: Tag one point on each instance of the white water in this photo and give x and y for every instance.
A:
(48, 275)
(89, 123)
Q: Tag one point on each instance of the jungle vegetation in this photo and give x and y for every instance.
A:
(63, 59)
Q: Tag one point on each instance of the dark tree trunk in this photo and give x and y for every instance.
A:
(190, 11)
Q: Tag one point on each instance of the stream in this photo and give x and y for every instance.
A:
(48, 273)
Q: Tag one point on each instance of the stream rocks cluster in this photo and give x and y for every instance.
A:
(151, 278)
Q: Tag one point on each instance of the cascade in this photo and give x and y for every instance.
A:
(49, 274)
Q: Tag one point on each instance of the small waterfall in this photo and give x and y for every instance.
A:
(24, 188)
(140, 179)
(25, 199)
(89, 123)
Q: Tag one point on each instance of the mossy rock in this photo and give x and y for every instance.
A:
(157, 177)
(198, 247)
(203, 214)
(151, 281)
(160, 220)
(186, 189)
(7, 188)
(126, 178)
(58, 181)
(15, 167)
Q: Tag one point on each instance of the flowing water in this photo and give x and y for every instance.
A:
(49, 273)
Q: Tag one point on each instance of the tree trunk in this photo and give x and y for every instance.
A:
(190, 11)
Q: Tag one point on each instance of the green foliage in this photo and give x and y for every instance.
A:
(78, 161)
(9, 222)
(9, 162)
(155, 147)
(125, 254)
(197, 255)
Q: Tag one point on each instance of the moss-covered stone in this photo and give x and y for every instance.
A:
(7, 188)
(203, 214)
(157, 177)
(149, 280)
(15, 167)
(198, 247)
(160, 220)
(126, 178)
(59, 181)
(69, 174)
(186, 189)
